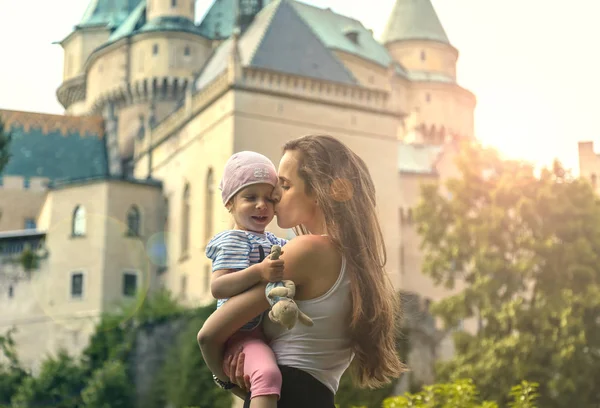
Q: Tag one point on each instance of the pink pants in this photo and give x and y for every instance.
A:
(259, 362)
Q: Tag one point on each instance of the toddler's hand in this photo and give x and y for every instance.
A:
(271, 269)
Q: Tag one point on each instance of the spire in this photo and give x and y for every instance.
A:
(414, 20)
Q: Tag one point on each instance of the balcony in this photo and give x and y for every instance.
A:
(20, 253)
(71, 91)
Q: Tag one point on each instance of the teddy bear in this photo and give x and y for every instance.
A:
(281, 297)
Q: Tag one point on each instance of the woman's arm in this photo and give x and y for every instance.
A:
(237, 311)
(225, 321)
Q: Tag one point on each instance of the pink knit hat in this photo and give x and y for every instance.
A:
(244, 169)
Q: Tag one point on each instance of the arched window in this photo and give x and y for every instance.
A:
(185, 221)
(208, 209)
(133, 221)
(78, 226)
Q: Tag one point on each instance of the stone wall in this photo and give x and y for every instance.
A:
(149, 353)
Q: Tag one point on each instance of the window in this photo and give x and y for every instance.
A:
(30, 223)
(133, 221)
(11, 292)
(594, 180)
(173, 3)
(423, 56)
(428, 97)
(129, 284)
(208, 211)
(155, 49)
(77, 285)
(26, 182)
(185, 221)
(183, 289)
(78, 225)
(187, 51)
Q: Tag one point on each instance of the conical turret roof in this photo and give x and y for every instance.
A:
(414, 20)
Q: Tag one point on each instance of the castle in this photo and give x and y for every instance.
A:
(119, 195)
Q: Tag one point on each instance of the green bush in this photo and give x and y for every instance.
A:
(11, 373)
(461, 394)
(59, 385)
(109, 387)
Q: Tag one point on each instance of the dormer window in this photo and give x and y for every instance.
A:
(352, 35)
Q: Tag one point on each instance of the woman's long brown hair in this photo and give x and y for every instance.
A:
(340, 182)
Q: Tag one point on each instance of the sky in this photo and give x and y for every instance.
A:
(530, 63)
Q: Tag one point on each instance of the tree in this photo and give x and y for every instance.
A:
(528, 248)
(5, 139)
(186, 380)
(59, 385)
(12, 374)
(461, 394)
(109, 387)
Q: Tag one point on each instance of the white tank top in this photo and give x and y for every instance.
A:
(324, 350)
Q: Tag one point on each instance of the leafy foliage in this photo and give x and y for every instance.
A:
(528, 248)
(115, 335)
(103, 377)
(460, 394)
(109, 387)
(59, 385)
(11, 373)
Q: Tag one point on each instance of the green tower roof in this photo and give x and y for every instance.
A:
(109, 13)
(414, 20)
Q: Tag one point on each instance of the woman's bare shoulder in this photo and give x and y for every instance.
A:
(305, 254)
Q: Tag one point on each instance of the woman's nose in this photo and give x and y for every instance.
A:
(276, 194)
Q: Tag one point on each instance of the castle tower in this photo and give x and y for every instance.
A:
(144, 53)
(99, 20)
(416, 38)
(171, 9)
(441, 110)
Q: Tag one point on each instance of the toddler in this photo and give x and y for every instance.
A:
(240, 259)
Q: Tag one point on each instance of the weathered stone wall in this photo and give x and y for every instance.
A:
(424, 342)
(148, 356)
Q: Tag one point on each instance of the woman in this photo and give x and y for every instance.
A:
(337, 264)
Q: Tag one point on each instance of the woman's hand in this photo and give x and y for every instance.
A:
(236, 370)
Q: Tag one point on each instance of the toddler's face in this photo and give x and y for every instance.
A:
(252, 207)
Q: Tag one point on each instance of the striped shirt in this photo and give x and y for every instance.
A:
(237, 250)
